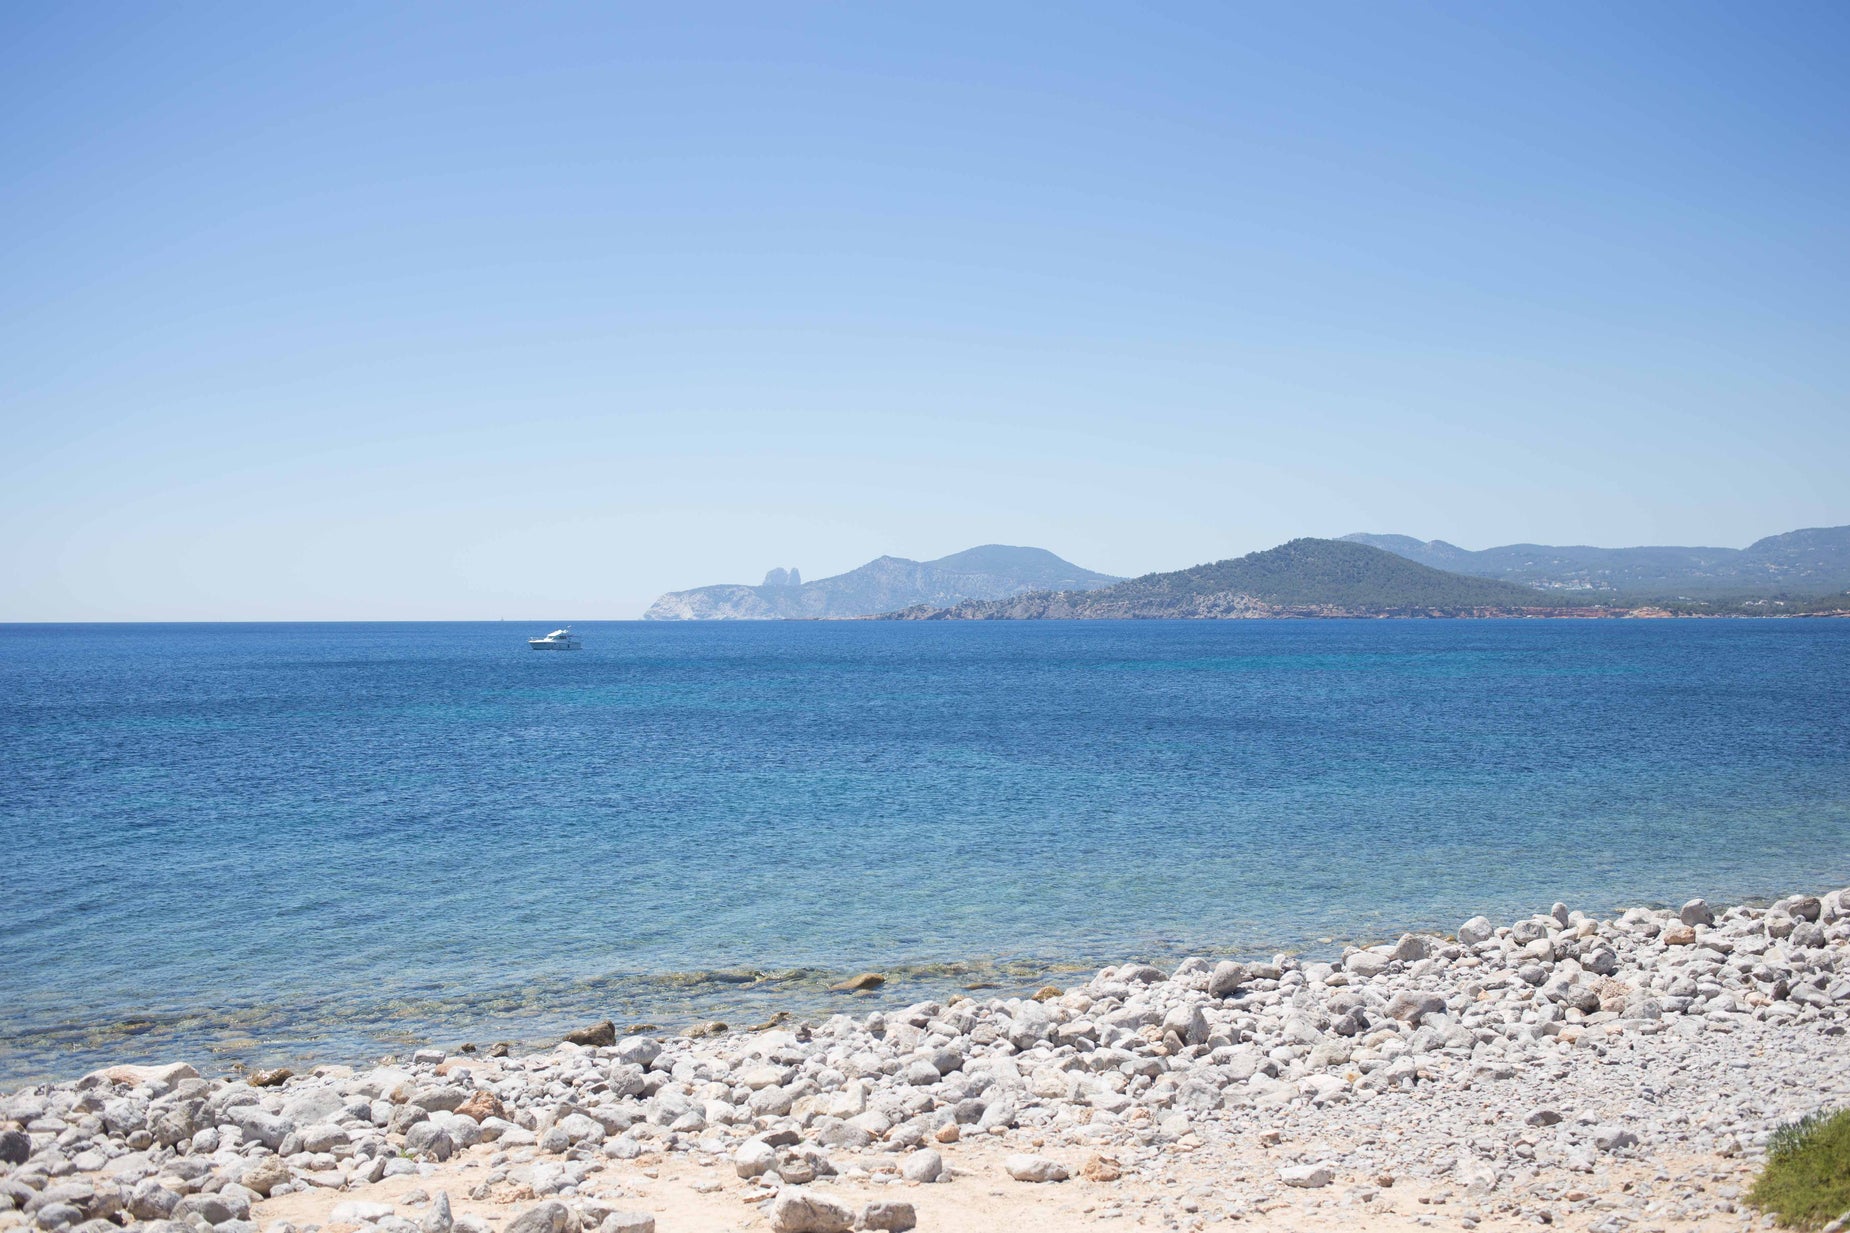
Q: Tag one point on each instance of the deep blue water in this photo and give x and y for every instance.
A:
(288, 842)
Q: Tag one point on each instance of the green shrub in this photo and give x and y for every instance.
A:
(1806, 1181)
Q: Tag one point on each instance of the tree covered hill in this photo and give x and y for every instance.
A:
(1812, 562)
(1304, 577)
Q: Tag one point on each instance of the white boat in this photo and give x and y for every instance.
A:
(557, 640)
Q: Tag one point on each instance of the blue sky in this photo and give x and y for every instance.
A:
(454, 311)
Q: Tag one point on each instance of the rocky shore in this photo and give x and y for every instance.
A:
(1577, 1073)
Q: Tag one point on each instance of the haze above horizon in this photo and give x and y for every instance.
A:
(474, 311)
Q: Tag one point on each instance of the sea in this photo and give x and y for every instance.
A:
(251, 845)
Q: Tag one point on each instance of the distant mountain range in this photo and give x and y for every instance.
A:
(1306, 577)
(993, 571)
(1814, 562)
(1801, 572)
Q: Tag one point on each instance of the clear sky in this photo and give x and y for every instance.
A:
(536, 311)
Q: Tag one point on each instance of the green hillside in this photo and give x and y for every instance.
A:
(1812, 563)
(1310, 576)
(1329, 571)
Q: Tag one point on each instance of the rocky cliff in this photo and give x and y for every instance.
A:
(993, 571)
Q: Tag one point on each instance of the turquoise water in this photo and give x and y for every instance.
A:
(324, 842)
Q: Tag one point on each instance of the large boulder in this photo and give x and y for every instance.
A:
(428, 1137)
(1476, 930)
(998, 1112)
(438, 1219)
(754, 1158)
(552, 1217)
(153, 1201)
(160, 1078)
(1410, 1007)
(1535, 929)
(795, 1210)
(446, 1098)
(480, 1106)
(578, 1128)
(321, 1104)
(1366, 964)
(597, 1036)
(211, 1208)
(1307, 1176)
(1029, 1024)
(1025, 1168)
(627, 1222)
(54, 1217)
(267, 1173)
(1803, 907)
(122, 1117)
(924, 1165)
(889, 1214)
(1226, 978)
(260, 1124)
(323, 1137)
(638, 1050)
(1611, 1138)
(1188, 1022)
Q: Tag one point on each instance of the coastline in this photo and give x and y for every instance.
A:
(1245, 608)
(1599, 1074)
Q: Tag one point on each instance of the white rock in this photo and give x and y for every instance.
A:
(1366, 963)
(1026, 1168)
(1226, 979)
(923, 1165)
(1477, 929)
(754, 1158)
(1612, 1138)
(1307, 1176)
(314, 1105)
(438, 1219)
(161, 1077)
(795, 1210)
(638, 1050)
(889, 1215)
(627, 1222)
(758, 1078)
(357, 1211)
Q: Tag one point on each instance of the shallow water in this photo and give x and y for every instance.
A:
(324, 842)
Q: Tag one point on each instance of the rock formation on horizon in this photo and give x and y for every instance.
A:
(993, 571)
